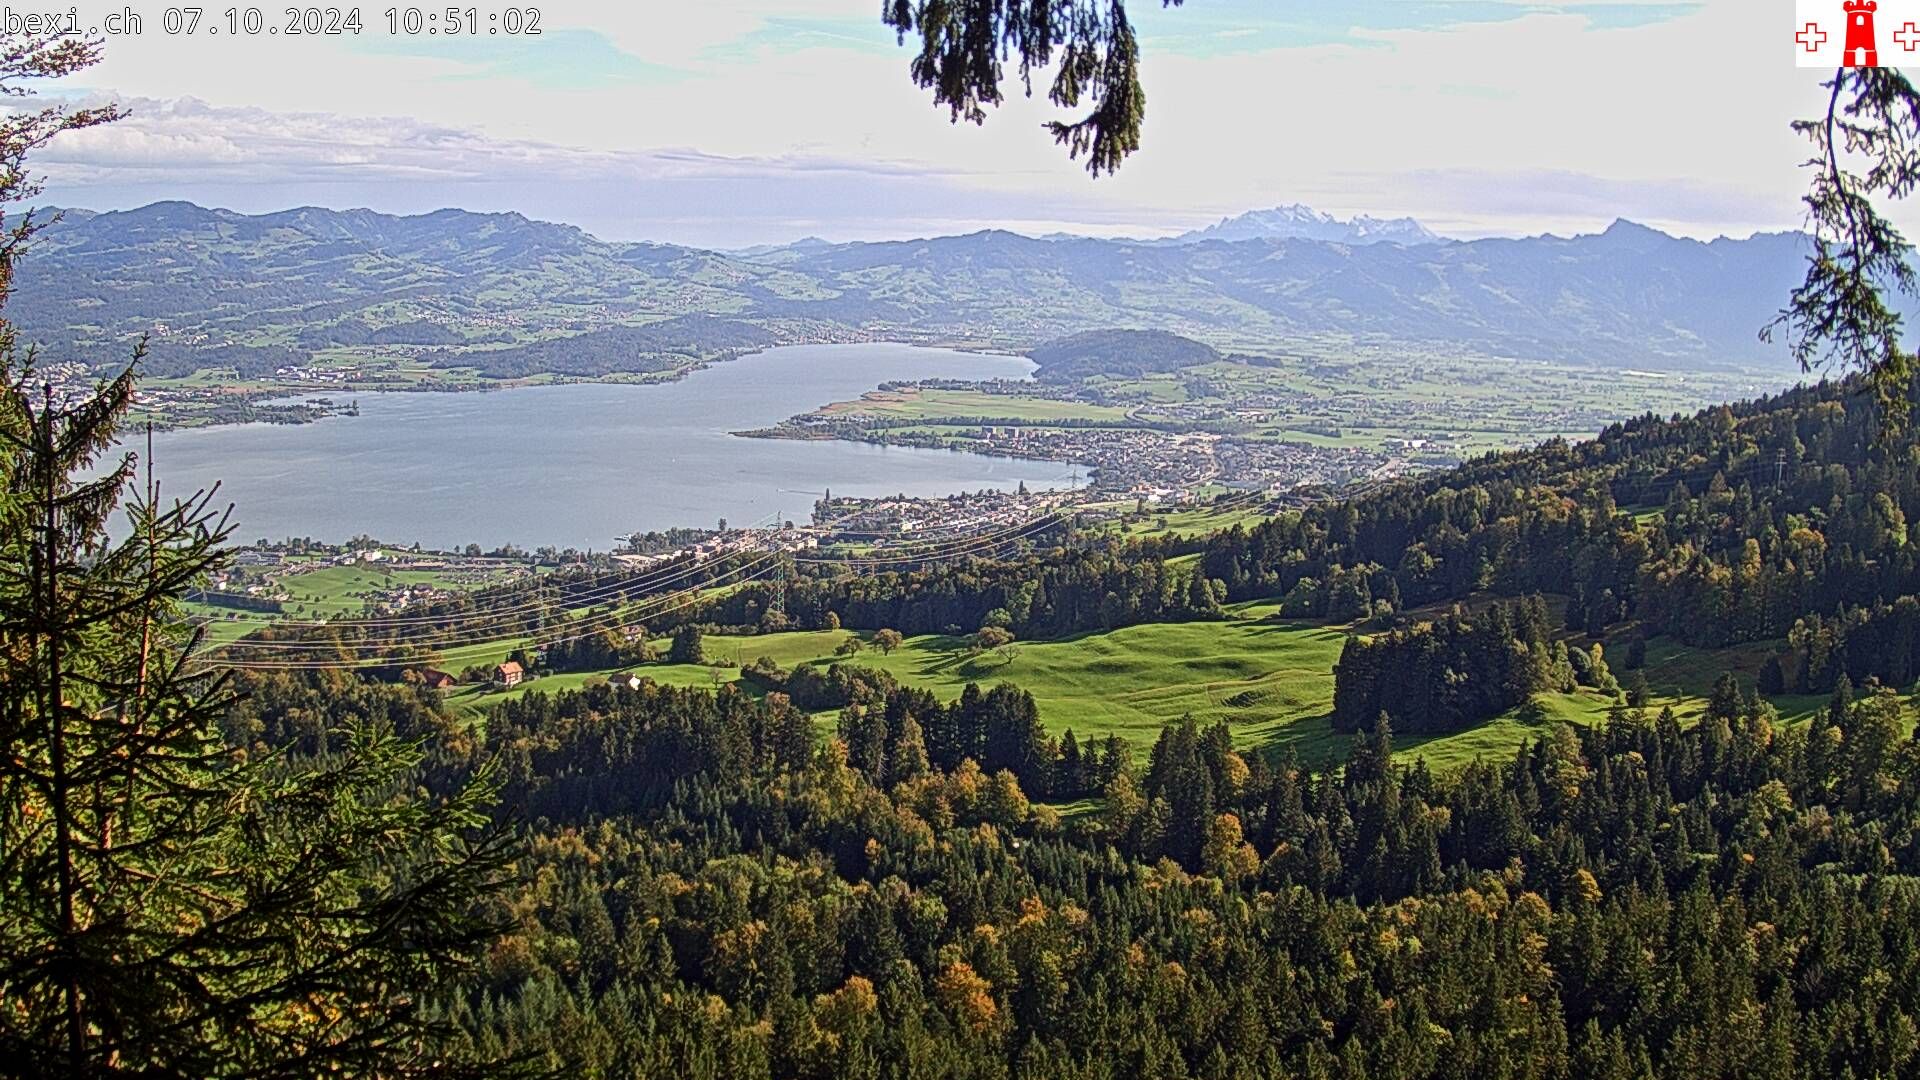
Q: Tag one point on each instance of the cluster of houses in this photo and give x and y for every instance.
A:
(184, 337)
(258, 557)
(1250, 462)
(265, 572)
(302, 373)
(504, 676)
(839, 520)
(730, 542)
(509, 674)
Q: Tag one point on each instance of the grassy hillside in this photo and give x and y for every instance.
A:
(1271, 681)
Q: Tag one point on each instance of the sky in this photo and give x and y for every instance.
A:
(727, 123)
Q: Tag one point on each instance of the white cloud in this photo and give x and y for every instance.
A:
(1699, 103)
(170, 140)
(1538, 121)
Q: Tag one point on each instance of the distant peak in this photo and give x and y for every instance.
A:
(447, 212)
(173, 208)
(1297, 221)
(1634, 235)
(1623, 227)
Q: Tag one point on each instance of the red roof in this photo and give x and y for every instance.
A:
(511, 667)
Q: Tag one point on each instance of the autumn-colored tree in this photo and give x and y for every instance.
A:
(1226, 854)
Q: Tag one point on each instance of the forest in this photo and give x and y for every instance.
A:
(277, 861)
(660, 346)
(1453, 672)
(1117, 352)
(819, 872)
(706, 885)
(705, 891)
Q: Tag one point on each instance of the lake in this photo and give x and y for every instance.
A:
(578, 465)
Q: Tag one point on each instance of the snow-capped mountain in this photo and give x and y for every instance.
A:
(1298, 222)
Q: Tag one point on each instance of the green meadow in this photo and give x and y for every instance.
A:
(340, 591)
(924, 404)
(1354, 397)
(1271, 681)
(1195, 521)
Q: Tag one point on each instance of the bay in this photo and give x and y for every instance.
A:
(578, 465)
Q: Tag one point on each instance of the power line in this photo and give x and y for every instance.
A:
(462, 623)
(597, 622)
(645, 577)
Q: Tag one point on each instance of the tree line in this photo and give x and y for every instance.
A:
(703, 896)
(1453, 672)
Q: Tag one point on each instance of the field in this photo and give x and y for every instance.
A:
(344, 590)
(221, 626)
(1271, 681)
(1457, 403)
(337, 591)
(1196, 521)
(920, 404)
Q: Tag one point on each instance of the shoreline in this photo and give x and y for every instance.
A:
(295, 392)
(446, 458)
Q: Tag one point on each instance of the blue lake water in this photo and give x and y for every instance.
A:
(578, 465)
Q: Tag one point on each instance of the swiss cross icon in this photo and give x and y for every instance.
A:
(1852, 33)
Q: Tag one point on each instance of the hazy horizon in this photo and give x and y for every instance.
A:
(46, 205)
(747, 122)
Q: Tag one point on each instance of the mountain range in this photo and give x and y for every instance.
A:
(217, 287)
(1297, 222)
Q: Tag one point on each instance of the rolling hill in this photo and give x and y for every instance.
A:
(214, 287)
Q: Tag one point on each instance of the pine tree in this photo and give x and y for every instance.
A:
(140, 859)
(1070, 775)
(688, 646)
(1638, 693)
(1200, 598)
(964, 47)
(1637, 654)
(171, 909)
(1826, 735)
(1724, 702)
(909, 756)
(1773, 678)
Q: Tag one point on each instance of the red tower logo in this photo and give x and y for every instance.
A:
(1860, 51)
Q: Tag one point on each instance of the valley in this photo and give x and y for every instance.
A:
(1024, 629)
(236, 309)
(1267, 419)
(1120, 619)
(1164, 435)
